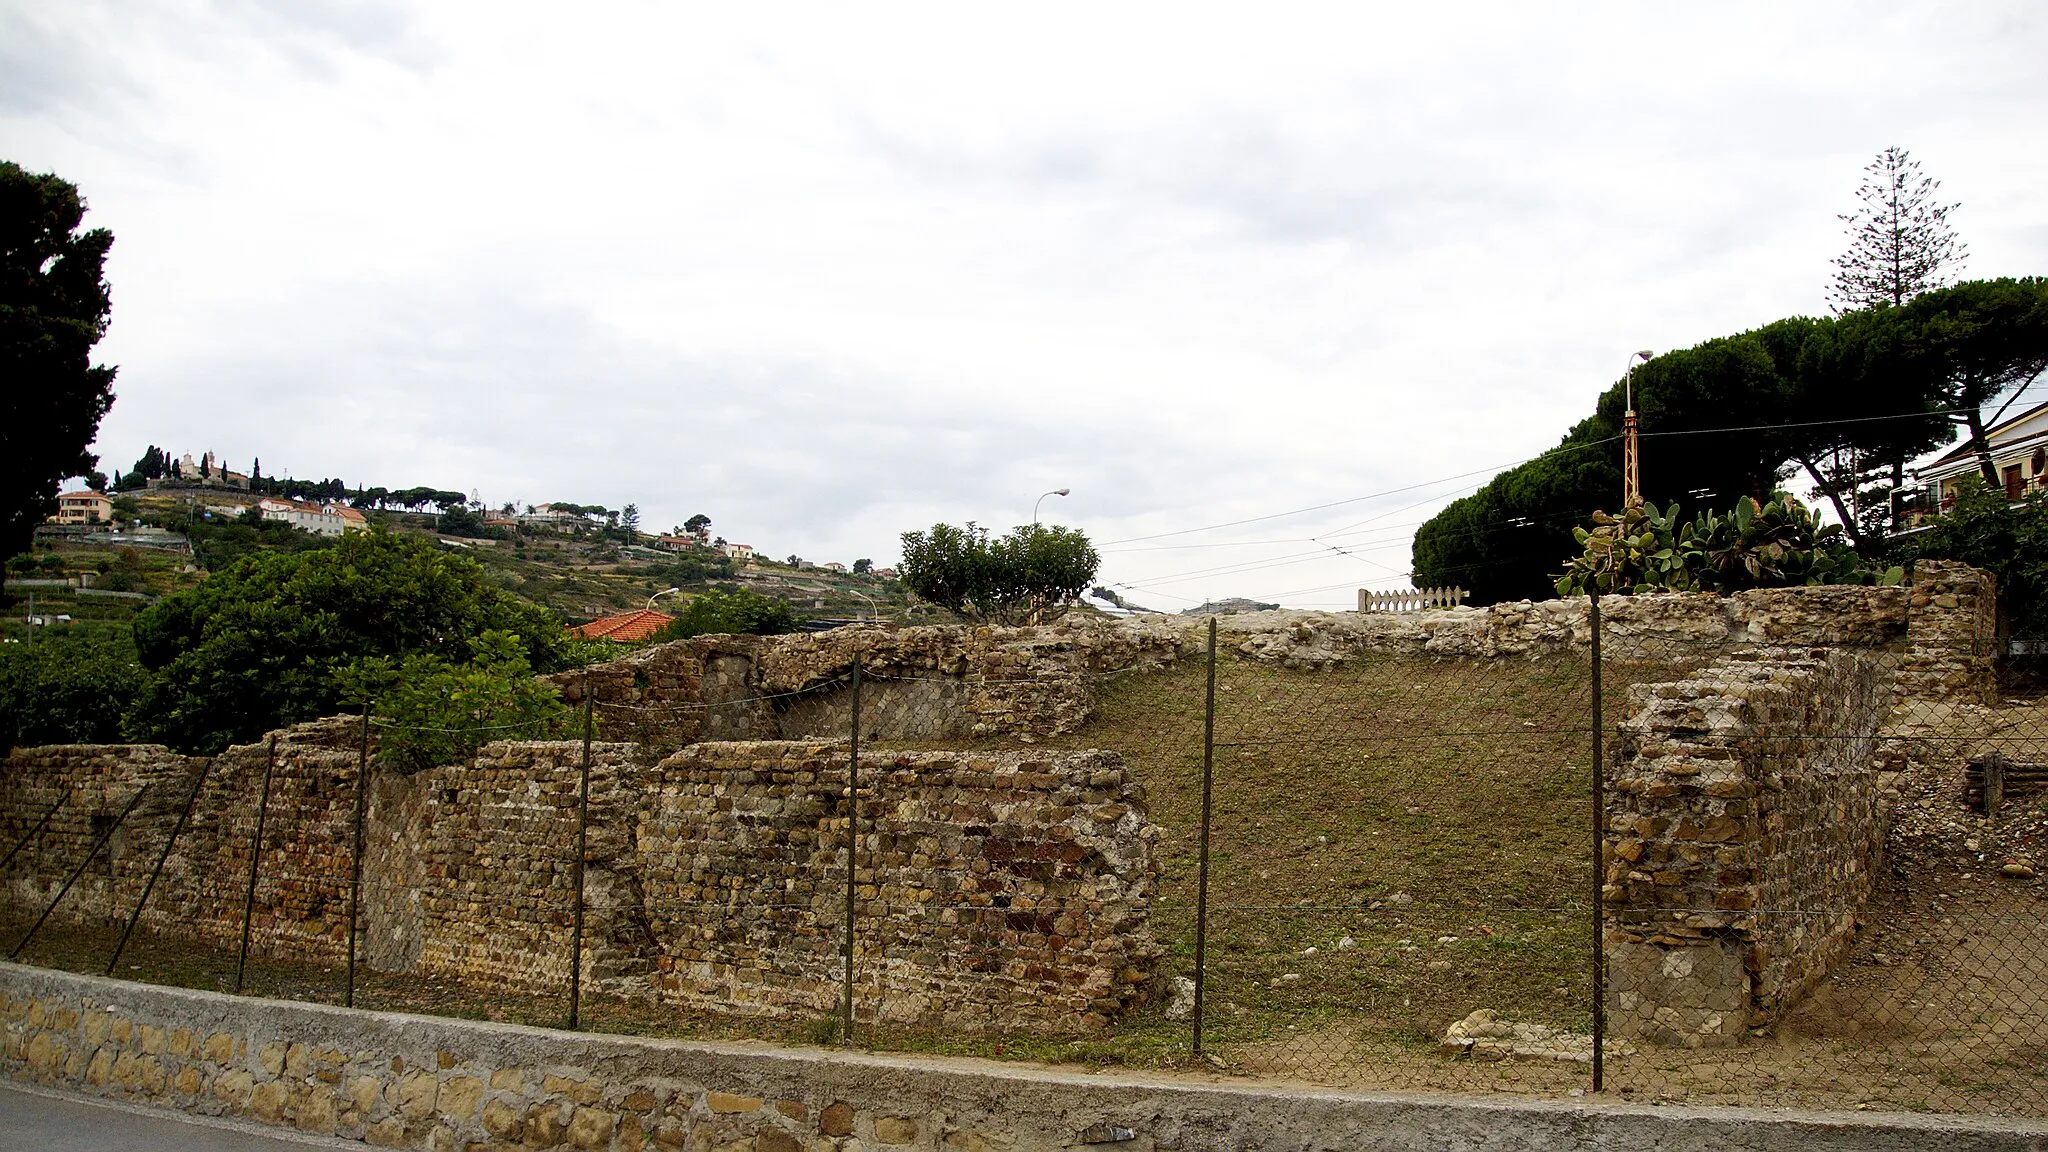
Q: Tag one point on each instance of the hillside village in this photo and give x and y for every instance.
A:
(149, 534)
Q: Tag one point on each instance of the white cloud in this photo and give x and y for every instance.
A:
(826, 274)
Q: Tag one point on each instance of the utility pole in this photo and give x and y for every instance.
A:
(1631, 453)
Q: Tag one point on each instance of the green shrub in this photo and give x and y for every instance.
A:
(66, 689)
(1988, 529)
(258, 645)
(1778, 544)
(431, 712)
(1033, 570)
(733, 612)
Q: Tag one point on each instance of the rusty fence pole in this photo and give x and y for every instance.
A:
(1202, 859)
(355, 858)
(852, 847)
(78, 871)
(582, 849)
(1599, 957)
(255, 858)
(184, 817)
(35, 831)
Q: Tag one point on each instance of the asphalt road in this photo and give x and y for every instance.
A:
(30, 1122)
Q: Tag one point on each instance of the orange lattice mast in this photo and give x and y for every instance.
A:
(1631, 453)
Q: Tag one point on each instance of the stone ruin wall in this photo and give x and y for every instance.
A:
(994, 890)
(929, 682)
(1744, 829)
(301, 888)
(919, 682)
(943, 681)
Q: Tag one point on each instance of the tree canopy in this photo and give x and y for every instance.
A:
(1034, 569)
(54, 305)
(1900, 241)
(1735, 416)
(1988, 529)
(434, 712)
(259, 644)
(66, 688)
(729, 612)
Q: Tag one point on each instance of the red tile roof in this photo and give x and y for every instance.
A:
(626, 627)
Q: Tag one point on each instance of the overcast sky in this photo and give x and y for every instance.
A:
(825, 274)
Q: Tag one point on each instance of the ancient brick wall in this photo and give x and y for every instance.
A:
(301, 889)
(95, 784)
(1743, 831)
(1952, 638)
(918, 683)
(944, 681)
(469, 869)
(993, 889)
(467, 866)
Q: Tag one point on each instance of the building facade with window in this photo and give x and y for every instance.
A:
(2019, 454)
(84, 507)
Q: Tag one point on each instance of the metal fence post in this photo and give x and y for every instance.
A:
(255, 857)
(852, 847)
(582, 849)
(355, 859)
(78, 871)
(1599, 972)
(1202, 861)
(184, 816)
(35, 831)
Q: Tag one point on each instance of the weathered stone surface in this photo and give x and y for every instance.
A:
(991, 894)
(1744, 830)
(836, 1119)
(459, 1097)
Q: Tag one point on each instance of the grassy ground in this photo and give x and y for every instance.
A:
(1392, 845)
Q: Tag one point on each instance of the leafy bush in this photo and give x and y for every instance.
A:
(432, 712)
(66, 689)
(1988, 529)
(31, 564)
(1779, 544)
(258, 645)
(217, 544)
(733, 612)
(461, 520)
(1034, 569)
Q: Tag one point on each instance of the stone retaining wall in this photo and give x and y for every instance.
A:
(446, 1085)
(1743, 832)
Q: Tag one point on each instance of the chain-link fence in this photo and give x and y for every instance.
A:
(1802, 877)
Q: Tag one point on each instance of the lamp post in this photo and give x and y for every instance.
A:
(1631, 458)
(1041, 500)
(873, 608)
(659, 595)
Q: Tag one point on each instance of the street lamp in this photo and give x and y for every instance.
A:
(873, 608)
(659, 595)
(1041, 500)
